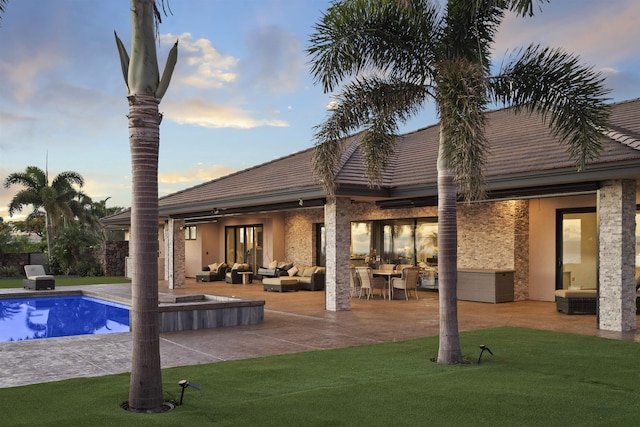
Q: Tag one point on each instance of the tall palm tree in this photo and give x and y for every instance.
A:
(3, 4)
(395, 55)
(57, 200)
(146, 89)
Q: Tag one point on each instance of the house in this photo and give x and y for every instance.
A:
(553, 226)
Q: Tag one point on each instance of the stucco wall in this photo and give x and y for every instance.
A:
(542, 246)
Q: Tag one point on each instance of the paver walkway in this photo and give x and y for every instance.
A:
(294, 322)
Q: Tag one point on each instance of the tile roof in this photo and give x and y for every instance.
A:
(522, 152)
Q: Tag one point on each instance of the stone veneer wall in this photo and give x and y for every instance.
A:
(178, 266)
(617, 240)
(111, 257)
(338, 242)
(491, 235)
(495, 235)
(298, 226)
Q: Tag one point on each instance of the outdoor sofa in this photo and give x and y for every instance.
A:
(310, 278)
(584, 301)
(233, 275)
(212, 272)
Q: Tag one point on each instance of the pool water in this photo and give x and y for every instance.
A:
(60, 316)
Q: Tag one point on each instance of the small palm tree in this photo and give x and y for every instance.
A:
(56, 199)
(394, 55)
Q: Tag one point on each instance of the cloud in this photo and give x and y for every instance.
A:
(21, 71)
(196, 176)
(200, 112)
(200, 65)
(332, 105)
(171, 182)
(587, 29)
(275, 61)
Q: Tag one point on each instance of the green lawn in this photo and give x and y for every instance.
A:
(68, 281)
(534, 378)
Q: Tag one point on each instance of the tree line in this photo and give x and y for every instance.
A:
(65, 218)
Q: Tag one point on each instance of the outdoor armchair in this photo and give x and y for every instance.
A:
(408, 281)
(368, 282)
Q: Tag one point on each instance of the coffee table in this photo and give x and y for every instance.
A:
(247, 277)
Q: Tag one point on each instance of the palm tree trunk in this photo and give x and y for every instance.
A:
(49, 231)
(145, 389)
(449, 348)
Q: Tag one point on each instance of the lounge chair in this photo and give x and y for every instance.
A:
(37, 278)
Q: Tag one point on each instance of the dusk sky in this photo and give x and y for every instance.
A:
(241, 94)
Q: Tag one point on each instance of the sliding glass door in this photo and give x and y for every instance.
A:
(244, 245)
(577, 252)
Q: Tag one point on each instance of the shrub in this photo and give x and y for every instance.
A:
(9, 271)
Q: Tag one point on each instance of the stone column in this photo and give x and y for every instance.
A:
(617, 293)
(175, 253)
(337, 223)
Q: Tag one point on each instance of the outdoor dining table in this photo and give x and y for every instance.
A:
(388, 274)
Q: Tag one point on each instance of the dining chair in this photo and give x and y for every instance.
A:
(401, 267)
(356, 288)
(387, 267)
(408, 281)
(368, 282)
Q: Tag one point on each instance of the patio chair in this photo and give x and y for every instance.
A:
(408, 281)
(356, 288)
(368, 282)
(37, 278)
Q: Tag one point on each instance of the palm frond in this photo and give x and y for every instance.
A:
(388, 36)
(471, 29)
(524, 7)
(462, 99)
(570, 97)
(24, 198)
(66, 179)
(372, 104)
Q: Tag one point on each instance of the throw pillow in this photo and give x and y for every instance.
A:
(308, 271)
(293, 271)
(235, 266)
(272, 265)
(213, 267)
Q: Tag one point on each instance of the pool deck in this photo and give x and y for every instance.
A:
(293, 322)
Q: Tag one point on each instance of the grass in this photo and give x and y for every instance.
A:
(68, 281)
(534, 378)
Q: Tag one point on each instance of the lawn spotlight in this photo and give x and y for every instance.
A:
(184, 384)
(482, 349)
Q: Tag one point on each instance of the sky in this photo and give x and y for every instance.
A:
(241, 95)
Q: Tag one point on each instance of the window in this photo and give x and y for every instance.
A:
(190, 232)
(362, 247)
(401, 241)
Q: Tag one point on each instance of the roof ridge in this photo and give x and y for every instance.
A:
(623, 138)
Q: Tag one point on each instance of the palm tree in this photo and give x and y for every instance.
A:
(394, 55)
(57, 200)
(146, 89)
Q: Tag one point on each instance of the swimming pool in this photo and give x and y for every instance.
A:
(59, 316)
